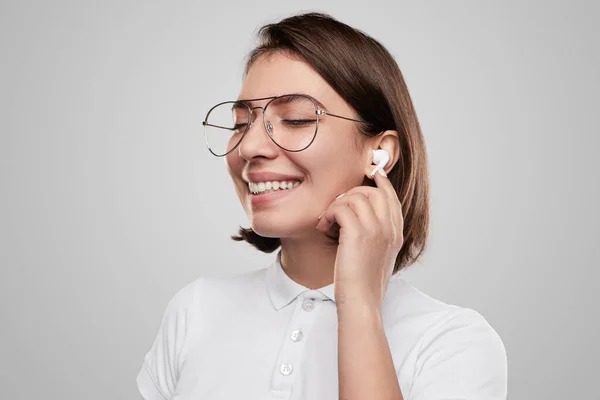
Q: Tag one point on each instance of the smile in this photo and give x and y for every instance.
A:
(258, 188)
(266, 197)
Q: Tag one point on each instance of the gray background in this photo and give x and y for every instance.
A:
(111, 202)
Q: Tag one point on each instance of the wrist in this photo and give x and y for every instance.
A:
(358, 307)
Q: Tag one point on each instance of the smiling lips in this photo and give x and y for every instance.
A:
(260, 199)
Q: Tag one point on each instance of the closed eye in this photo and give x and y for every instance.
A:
(298, 122)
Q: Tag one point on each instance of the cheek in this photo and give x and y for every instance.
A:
(334, 152)
(233, 163)
(331, 168)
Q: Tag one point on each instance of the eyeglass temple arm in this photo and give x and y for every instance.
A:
(323, 112)
(204, 123)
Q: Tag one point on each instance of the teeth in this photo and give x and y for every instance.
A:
(262, 187)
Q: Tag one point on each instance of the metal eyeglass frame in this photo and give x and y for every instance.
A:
(318, 112)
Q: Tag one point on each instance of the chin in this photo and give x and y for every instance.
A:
(267, 228)
(277, 227)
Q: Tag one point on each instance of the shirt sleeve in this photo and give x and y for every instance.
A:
(159, 373)
(461, 358)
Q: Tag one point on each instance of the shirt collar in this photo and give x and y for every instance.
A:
(283, 290)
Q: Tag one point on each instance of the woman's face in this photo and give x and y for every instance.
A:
(331, 165)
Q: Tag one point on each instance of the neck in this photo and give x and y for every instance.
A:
(308, 261)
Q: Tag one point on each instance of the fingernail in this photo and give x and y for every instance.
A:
(321, 214)
(319, 224)
(340, 195)
(382, 172)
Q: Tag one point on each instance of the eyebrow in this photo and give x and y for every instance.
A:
(321, 106)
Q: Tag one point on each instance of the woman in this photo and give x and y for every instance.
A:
(331, 317)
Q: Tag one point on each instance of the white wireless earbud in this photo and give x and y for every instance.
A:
(381, 158)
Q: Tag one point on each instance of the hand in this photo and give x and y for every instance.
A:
(370, 238)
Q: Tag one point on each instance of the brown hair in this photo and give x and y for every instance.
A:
(368, 78)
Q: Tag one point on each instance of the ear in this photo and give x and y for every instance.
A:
(387, 140)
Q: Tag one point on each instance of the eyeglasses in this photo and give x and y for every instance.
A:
(291, 121)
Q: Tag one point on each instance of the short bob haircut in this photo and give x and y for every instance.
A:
(368, 78)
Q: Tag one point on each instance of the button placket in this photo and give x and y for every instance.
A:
(293, 346)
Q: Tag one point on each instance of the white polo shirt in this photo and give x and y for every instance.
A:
(260, 335)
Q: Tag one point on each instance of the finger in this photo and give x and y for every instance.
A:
(343, 215)
(378, 199)
(364, 209)
(384, 183)
(395, 206)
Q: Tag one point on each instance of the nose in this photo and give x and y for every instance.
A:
(256, 141)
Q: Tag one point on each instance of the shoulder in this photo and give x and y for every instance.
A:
(463, 330)
(450, 348)
(216, 288)
(425, 321)
(404, 302)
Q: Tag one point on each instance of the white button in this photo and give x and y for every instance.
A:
(308, 304)
(297, 335)
(286, 368)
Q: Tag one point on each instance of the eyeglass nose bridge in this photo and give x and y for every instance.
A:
(267, 124)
